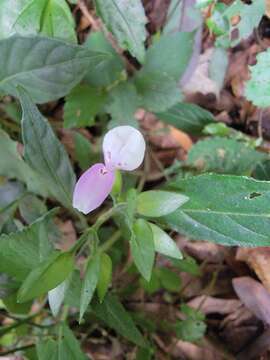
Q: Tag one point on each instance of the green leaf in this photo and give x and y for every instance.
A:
(169, 280)
(190, 118)
(46, 276)
(262, 170)
(47, 68)
(226, 156)
(218, 66)
(84, 152)
(152, 285)
(82, 104)
(89, 283)
(110, 70)
(57, 20)
(230, 210)
(23, 251)
(112, 312)
(52, 18)
(257, 88)
(31, 208)
(142, 248)
(156, 203)
(67, 347)
(157, 91)
(44, 152)
(56, 296)
(73, 292)
(10, 196)
(193, 327)
(13, 166)
(105, 276)
(122, 104)
(127, 23)
(164, 244)
(169, 55)
(15, 308)
(188, 265)
(250, 16)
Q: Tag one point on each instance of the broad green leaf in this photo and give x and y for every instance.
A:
(8, 286)
(193, 327)
(46, 276)
(82, 104)
(10, 195)
(157, 91)
(84, 151)
(156, 203)
(47, 68)
(218, 66)
(250, 16)
(153, 284)
(13, 166)
(262, 170)
(31, 208)
(89, 283)
(24, 250)
(109, 71)
(50, 17)
(188, 265)
(164, 244)
(169, 280)
(57, 20)
(226, 156)
(230, 210)
(67, 347)
(190, 118)
(127, 23)
(143, 248)
(190, 330)
(169, 55)
(56, 296)
(73, 292)
(14, 307)
(44, 152)
(257, 88)
(47, 350)
(122, 104)
(105, 276)
(112, 312)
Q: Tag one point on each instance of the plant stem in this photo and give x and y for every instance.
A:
(109, 243)
(21, 348)
(107, 215)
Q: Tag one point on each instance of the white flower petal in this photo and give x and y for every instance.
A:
(123, 148)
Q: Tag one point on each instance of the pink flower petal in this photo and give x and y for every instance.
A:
(92, 188)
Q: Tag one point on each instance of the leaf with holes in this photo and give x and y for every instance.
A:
(226, 156)
(226, 209)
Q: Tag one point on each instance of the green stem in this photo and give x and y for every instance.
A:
(109, 243)
(4, 330)
(107, 215)
(92, 231)
(21, 348)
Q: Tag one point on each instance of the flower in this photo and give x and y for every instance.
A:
(123, 149)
